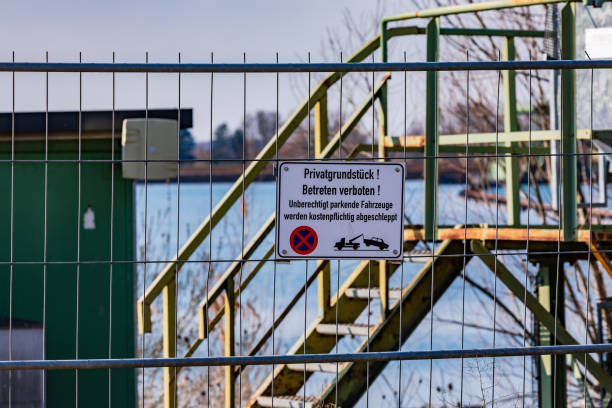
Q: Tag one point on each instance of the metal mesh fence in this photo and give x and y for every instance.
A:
(491, 274)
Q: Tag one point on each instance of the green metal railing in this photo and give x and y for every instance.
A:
(568, 125)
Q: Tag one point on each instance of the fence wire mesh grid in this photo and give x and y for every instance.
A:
(119, 265)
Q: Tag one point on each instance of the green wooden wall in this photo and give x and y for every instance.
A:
(94, 281)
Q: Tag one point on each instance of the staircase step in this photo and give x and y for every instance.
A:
(286, 401)
(316, 367)
(362, 293)
(419, 256)
(343, 329)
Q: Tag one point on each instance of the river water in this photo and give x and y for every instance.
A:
(176, 211)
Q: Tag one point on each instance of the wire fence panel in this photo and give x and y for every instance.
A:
(138, 229)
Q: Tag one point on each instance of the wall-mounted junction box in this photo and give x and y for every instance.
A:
(160, 135)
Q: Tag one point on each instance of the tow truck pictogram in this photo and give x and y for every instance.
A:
(340, 245)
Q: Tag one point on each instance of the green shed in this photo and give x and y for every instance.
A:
(50, 249)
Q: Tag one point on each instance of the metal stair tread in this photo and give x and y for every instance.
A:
(353, 329)
(362, 293)
(419, 255)
(286, 401)
(316, 367)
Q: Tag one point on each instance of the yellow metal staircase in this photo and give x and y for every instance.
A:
(352, 299)
(370, 279)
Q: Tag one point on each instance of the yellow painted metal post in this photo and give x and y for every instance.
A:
(169, 342)
(383, 267)
(511, 125)
(383, 282)
(381, 131)
(230, 394)
(321, 138)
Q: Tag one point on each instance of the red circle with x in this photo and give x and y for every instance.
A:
(303, 240)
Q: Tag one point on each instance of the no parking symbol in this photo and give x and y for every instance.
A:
(303, 240)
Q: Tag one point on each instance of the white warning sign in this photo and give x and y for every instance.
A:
(331, 210)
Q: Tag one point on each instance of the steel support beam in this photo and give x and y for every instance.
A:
(431, 132)
(493, 137)
(536, 233)
(552, 382)
(511, 125)
(569, 209)
(539, 312)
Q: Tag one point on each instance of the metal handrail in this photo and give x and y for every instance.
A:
(471, 8)
(206, 326)
(167, 274)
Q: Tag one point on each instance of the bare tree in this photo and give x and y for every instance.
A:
(196, 386)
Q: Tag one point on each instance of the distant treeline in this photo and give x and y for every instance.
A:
(230, 144)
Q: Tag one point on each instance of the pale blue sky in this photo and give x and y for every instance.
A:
(195, 28)
(162, 27)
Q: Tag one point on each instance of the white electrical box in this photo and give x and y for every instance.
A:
(598, 42)
(160, 135)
